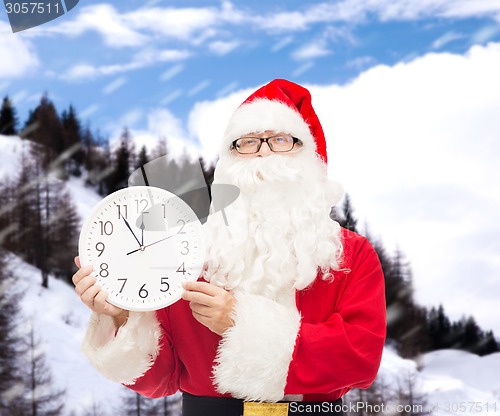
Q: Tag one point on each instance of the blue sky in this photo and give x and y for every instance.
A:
(407, 91)
(115, 60)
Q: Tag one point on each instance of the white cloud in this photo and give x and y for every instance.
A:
(207, 121)
(149, 23)
(18, 57)
(172, 72)
(143, 58)
(282, 43)
(416, 146)
(178, 23)
(105, 20)
(445, 39)
(422, 136)
(131, 117)
(171, 97)
(485, 34)
(361, 62)
(357, 11)
(223, 47)
(302, 68)
(114, 85)
(161, 124)
(88, 111)
(319, 47)
(198, 87)
(315, 49)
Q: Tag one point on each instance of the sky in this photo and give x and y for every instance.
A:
(407, 92)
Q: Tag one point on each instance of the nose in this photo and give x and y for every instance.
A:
(264, 150)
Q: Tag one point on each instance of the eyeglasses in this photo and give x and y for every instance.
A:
(279, 143)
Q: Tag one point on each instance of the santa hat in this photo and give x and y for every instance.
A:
(282, 106)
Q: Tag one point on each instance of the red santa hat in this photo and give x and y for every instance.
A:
(282, 106)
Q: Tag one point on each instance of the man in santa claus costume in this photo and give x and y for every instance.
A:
(290, 309)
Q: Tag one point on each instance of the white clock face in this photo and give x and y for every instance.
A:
(143, 243)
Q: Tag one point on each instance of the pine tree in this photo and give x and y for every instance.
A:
(489, 344)
(134, 404)
(122, 160)
(347, 218)
(410, 396)
(472, 335)
(161, 149)
(63, 232)
(41, 398)
(406, 321)
(46, 130)
(23, 213)
(142, 158)
(10, 380)
(73, 141)
(399, 296)
(43, 220)
(8, 119)
(439, 329)
(40, 240)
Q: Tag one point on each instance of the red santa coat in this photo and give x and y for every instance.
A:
(338, 345)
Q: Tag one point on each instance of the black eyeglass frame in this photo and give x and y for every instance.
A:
(265, 139)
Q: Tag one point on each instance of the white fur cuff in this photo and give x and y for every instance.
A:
(254, 355)
(129, 354)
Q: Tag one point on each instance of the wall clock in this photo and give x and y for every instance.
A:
(143, 243)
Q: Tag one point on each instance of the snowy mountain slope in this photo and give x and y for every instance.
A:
(11, 149)
(454, 382)
(59, 320)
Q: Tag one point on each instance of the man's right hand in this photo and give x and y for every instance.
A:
(94, 297)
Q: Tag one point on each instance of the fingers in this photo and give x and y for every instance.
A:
(212, 306)
(81, 273)
(77, 262)
(201, 310)
(203, 287)
(197, 297)
(89, 295)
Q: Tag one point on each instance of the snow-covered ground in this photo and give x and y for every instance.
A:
(59, 320)
(455, 382)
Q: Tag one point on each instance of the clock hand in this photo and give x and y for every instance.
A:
(156, 242)
(128, 225)
(142, 230)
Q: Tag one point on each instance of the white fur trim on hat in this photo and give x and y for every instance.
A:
(254, 355)
(128, 355)
(262, 114)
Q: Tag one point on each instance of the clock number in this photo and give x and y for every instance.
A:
(125, 209)
(143, 293)
(104, 270)
(100, 247)
(181, 269)
(123, 285)
(165, 282)
(164, 211)
(182, 227)
(106, 227)
(185, 249)
(144, 203)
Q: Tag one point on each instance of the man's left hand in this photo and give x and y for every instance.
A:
(211, 305)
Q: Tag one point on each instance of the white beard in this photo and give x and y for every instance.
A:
(278, 232)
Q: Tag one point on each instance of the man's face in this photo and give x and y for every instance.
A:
(265, 148)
